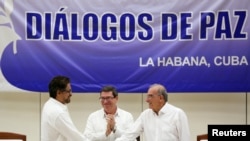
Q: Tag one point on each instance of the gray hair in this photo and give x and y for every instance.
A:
(161, 90)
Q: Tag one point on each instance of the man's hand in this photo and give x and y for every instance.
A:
(110, 124)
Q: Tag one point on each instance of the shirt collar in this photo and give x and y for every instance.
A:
(64, 106)
(116, 114)
(164, 109)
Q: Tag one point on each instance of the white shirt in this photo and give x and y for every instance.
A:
(96, 125)
(171, 124)
(56, 124)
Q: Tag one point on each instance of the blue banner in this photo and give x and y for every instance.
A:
(188, 46)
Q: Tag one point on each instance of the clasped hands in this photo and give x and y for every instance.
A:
(110, 124)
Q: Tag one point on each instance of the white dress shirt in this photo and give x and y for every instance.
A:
(56, 124)
(96, 125)
(171, 124)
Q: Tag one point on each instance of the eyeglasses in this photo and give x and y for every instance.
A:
(67, 91)
(106, 98)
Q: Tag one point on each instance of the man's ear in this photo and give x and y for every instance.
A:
(161, 96)
(58, 92)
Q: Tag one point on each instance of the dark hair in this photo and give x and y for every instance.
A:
(108, 89)
(58, 83)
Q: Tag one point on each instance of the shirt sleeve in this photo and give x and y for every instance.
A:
(183, 127)
(66, 127)
(91, 134)
(133, 131)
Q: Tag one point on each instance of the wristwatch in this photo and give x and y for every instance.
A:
(114, 129)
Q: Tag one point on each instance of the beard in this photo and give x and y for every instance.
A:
(67, 100)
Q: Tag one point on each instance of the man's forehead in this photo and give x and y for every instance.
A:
(68, 86)
(106, 93)
(152, 90)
